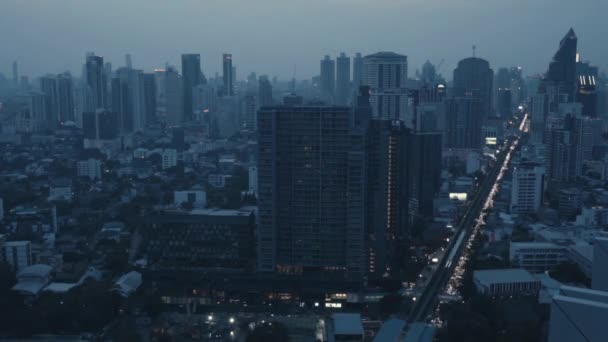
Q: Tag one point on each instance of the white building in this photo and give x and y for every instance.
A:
(537, 256)
(168, 158)
(253, 179)
(18, 254)
(90, 168)
(578, 315)
(599, 277)
(198, 198)
(506, 282)
(527, 188)
(386, 75)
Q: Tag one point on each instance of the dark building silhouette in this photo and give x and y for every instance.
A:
(100, 125)
(560, 78)
(311, 181)
(473, 78)
(358, 71)
(342, 79)
(191, 77)
(65, 90)
(463, 122)
(328, 79)
(48, 85)
(96, 89)
(264, 92)
(228, 74)
(149, 87)
(424, 174)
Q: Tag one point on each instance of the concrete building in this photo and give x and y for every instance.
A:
(215, 239)
(474, 78)
(506, 282)
(191, 77)
(578, 315)
(310, 179)
(537, 256)
(253, 180)
(228, 74)
(18, 254)
(328, 79)
(90, 168)
(343, 93)
(386, 75)
(527, 188)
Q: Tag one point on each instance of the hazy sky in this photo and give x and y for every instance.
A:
(271, 36)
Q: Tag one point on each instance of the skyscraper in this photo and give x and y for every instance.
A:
(473, 77)
(386, 75)
(65, 89)
(342, 79)
(128, 99)
(562, 69)
(191, 77)
(424, 174)
(328, 79)
(264, 92)
(48, 85)
(386, 189)
(149, 87)
(463, 122)
(527, 188)
(228, 74)
(100, 125)
(358, 72)
(95, 83)
(310, 180)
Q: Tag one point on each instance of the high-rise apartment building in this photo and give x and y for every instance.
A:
(386, 75)
(527, 188)
(343, 93)
(328, 79)
(310, 181)
(228, 74)
(191, 77)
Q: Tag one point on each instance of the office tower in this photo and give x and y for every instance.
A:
(424, 174)
(560, 78)
(538, 116)
(430, 109)
(124, 99)
(15, 74)
(463, 122)
(429, 73)
(358, 71)
(264, 92)
(204, 100)
(386, 75)
(578, 315)
(503, 92)
(386, 188)
(48, 85)
(473, 77)
(65, 92)
(228, 74)
(310, 179)
(562, 160)
(95, 83)
(328, 79)
(342, 79)
(527, 188)
(362, 109)
(149, 98)
(191, 77)
(169, 95)
(588, 132)
(586, 94)
(249, 109)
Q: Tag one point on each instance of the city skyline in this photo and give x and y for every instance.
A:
(197, 29)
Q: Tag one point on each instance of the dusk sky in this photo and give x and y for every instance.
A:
(271, 36)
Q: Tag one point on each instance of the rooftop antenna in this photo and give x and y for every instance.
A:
(474, 48)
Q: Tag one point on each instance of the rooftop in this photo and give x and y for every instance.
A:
(510, 275)
(390, 330)
(347, 324)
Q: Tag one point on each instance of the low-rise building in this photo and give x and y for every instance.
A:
(506, 282)
(537, 256)
(18, 254)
